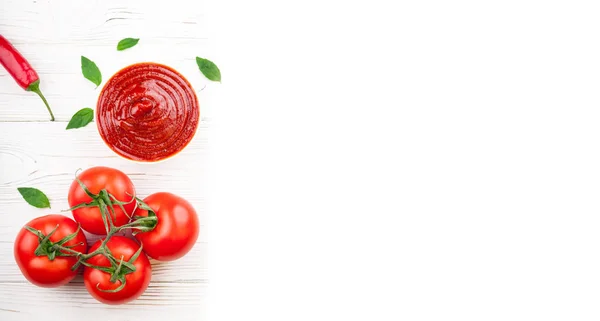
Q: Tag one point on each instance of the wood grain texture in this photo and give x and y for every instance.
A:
(37, 153)
(53, 35)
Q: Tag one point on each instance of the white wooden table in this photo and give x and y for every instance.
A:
(35, 152)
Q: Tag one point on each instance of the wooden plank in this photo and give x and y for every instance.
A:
(54, 36)
(47, 154)
(100, 22)
(177, 301)
(34, 152)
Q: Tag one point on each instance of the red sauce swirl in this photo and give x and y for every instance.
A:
(147, 112)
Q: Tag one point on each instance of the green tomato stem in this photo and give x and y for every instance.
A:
(66, 249)
(118, 269)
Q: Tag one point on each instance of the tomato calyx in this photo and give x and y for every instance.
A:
(106, 202)
(142, 223)
(54, 249)
(103, 200)
(117, 270)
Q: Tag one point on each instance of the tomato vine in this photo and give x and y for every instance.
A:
(105, 202)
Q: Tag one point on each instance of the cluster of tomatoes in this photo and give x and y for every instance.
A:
(51, 249)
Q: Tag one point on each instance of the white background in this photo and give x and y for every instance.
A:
(407, 160)
(404, 160)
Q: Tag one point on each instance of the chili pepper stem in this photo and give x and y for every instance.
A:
(35, 87)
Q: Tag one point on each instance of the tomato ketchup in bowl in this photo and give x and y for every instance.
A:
(147, 112)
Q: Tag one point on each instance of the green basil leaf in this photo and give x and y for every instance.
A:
(81, 118)
(90, 71)
(209, 69)
(34, 197)
(127, 43)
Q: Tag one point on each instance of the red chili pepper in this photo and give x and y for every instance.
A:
(21, 70)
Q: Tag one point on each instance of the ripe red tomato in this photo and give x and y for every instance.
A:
(135, 282)
(176, 230)
(40, 269)
(96, 179)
